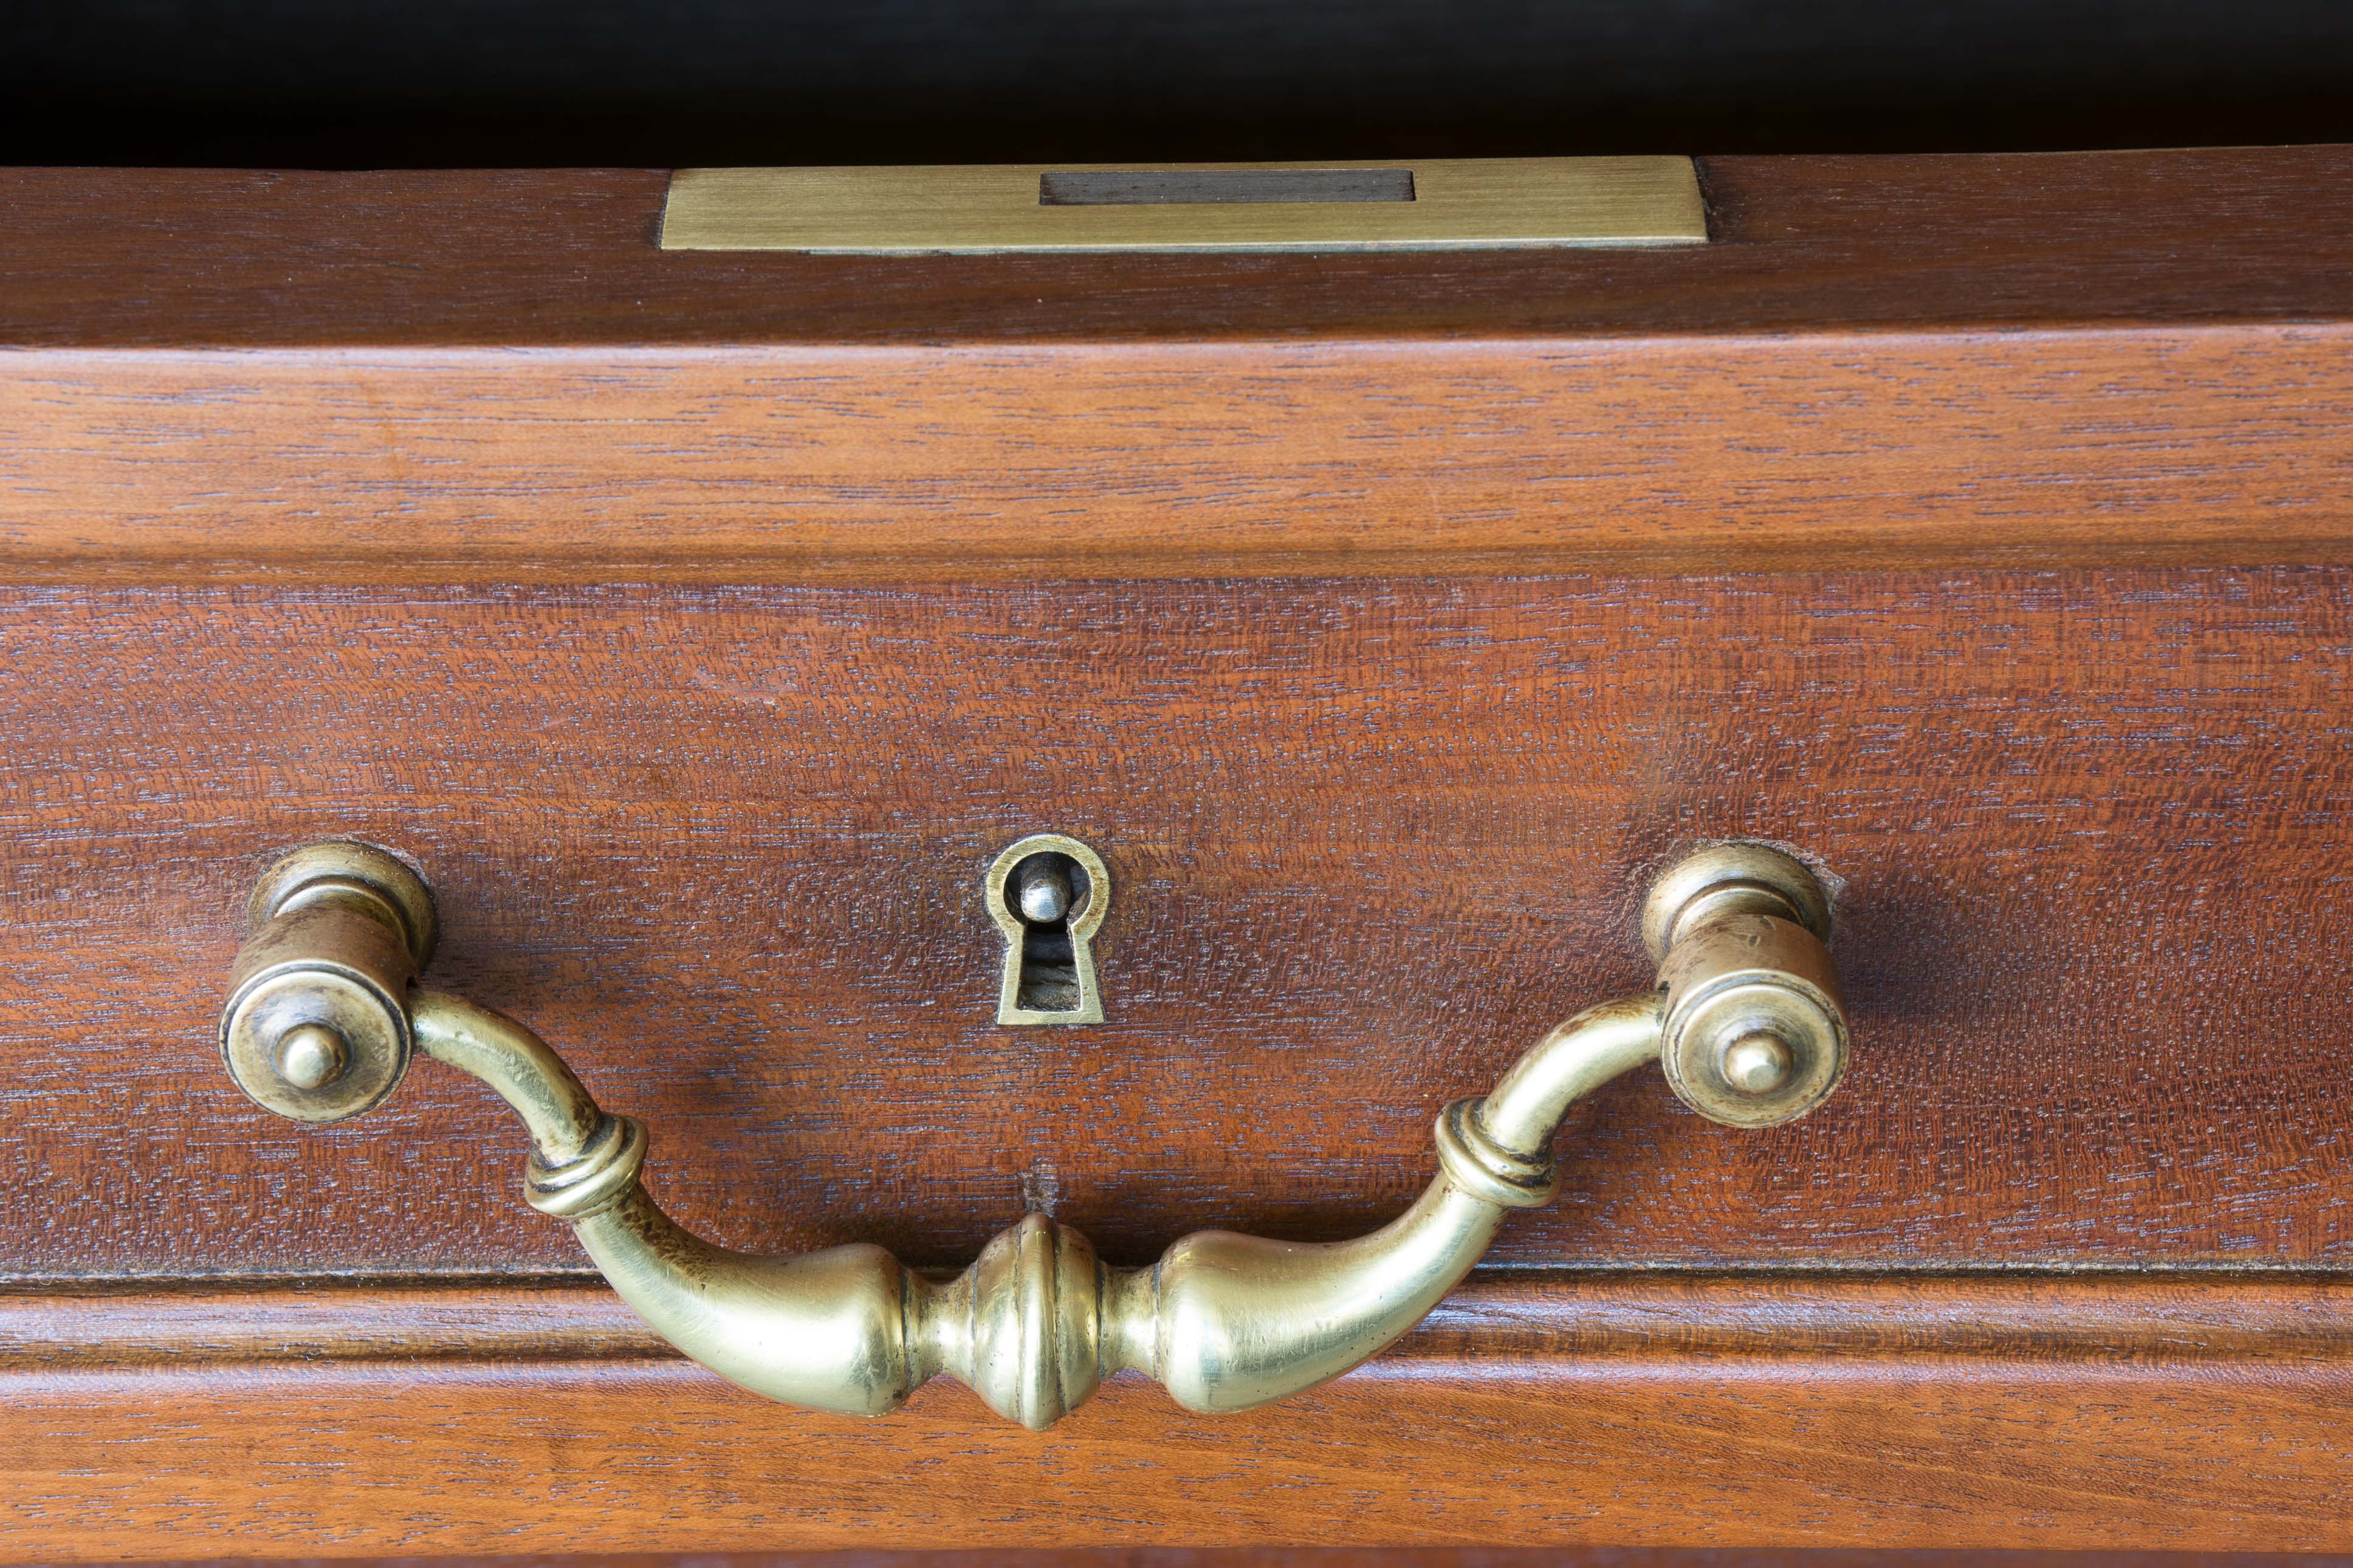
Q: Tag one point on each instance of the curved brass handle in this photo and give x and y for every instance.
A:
(321, 1021)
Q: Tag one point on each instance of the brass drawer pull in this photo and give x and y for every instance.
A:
(323, 1018)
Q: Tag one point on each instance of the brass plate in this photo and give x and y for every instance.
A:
(1455, 204)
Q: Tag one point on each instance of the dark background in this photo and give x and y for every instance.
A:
(423, 82)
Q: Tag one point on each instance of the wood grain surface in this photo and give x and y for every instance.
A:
(2205, 445)
(2097, 359)
(2188, 1413)
(703, 625)
(192, 258)
(1369, 839)
(1389, 1557)
(1369, 1557)
(1873, 1452)
(1523, 1317)
(1758, 1410)
(1381, 1557)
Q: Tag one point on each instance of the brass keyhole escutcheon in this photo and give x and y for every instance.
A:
(1048, 894)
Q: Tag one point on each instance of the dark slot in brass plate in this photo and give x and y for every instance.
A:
(1442, 204)
(1213, 187)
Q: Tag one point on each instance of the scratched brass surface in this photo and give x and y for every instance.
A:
(1465, 204)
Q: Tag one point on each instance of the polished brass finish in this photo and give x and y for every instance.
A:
(1042, 892)
(1758, 1063)
(1732, 878)
(317, 1027)
(1755, 1032)
(311, 1056)
(1448, 203)
(1038, 1321)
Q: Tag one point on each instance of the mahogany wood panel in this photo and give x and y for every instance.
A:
(1396, 1557)
(2215, 1318)
(1873, 1452)
(2213, 445)
(703, 624)
(1373, 1557)
(1381, 1557)
(183, 259)
(1370, 838)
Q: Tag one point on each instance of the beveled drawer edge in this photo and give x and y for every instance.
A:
(1521, 1318)
(2118, 1411)
(1528, 457)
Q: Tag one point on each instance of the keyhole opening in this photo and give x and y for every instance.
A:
(1046, 892)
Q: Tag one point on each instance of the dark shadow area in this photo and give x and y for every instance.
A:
(631, 82)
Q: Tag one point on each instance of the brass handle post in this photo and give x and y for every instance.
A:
(323, 1017)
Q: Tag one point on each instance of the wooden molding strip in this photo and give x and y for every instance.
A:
(2192, 446)
(1427, 1556)
(1979, 1412)
(1522, 1318)
(262, 259)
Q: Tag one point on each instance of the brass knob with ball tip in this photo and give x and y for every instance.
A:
(317, 1026)
(1756, 1030)
(311, 1056)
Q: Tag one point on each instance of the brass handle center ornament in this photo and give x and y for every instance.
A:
(323, 1018)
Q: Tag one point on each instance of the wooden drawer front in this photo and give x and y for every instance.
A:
(1369, 838)
(705, 624)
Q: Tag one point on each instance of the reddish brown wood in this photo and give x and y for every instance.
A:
(1386, 621)
(1518, 1318)
(185, 258)
(1370, 840)
(1381, 1557)
(754, 464)
(2073, 1374)
(2073, 1411)
(2105, 358)
(1873, 1452)
(1396, 1557)
(1399, 1557)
